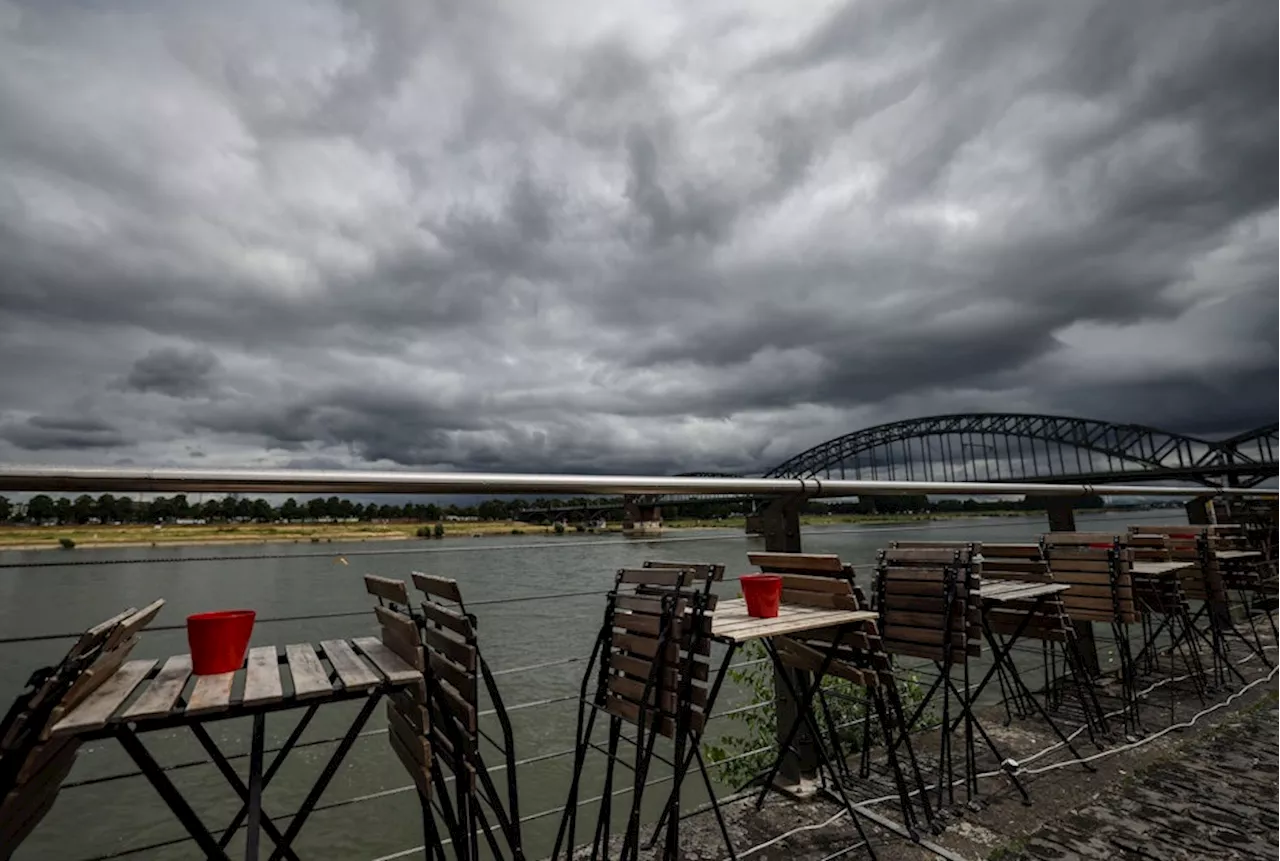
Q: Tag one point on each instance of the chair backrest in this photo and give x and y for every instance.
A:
(927, 600)
(1024, 562)
(409, 722)
(33, 766)
(813, 579)
(1193, 544)
(657, 629)
(1097, 567)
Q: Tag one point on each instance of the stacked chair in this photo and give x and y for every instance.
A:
(929, 606)
(646, 675)
(408, 714)
(1050, 623)
(32, 765)
(853, 654)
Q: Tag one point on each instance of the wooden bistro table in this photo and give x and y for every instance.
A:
(275, 679)
(732, 626)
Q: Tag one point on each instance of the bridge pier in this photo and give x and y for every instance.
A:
(779, 521)
(640, 517)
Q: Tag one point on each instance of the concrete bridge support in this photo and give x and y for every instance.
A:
(640, 518)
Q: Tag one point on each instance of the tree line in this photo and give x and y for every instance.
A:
(109, 508)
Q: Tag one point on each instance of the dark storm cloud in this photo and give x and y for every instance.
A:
(576, 237)
(41, 433)
(173, 372)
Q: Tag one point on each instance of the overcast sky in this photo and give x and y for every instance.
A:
(636, 237)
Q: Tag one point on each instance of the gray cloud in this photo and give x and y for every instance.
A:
(494, 236)
(173, 372)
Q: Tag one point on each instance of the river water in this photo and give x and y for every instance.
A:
(101, 818)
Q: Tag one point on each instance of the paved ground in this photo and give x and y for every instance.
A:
(1212, 798)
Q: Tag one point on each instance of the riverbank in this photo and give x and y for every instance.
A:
(145, 535)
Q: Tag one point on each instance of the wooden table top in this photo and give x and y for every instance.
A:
(1159, 569)
(999, 591)
(299, 669)
(731, 622)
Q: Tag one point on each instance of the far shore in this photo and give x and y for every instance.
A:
(97, 537)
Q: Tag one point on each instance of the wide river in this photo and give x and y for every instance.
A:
(507, 579)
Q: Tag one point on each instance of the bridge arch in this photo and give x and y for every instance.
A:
(1029, 447)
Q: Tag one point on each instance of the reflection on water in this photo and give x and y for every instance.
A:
(98, 819)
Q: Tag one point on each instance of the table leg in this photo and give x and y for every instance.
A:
(160, 781)
(255, 787)
(276, 762)
(322, 783)
(256, 819)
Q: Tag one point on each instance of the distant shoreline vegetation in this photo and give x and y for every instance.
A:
(234, 520)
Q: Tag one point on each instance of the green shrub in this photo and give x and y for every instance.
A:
(559, 527)
(423, 532)
(438, 532)
(66, 543)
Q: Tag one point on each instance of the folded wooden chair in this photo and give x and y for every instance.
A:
(33, 766)
(854, 654)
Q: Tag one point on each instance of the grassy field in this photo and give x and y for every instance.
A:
(141, 535)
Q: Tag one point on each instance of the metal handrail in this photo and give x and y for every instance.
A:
(73, 479)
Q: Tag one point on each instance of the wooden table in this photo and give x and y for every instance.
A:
(147, 695)
(732, 624)
(1159, 569)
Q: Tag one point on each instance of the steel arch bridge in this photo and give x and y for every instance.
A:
(1024, 447)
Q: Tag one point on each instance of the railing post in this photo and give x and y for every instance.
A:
(780, 521)
(1062, 518)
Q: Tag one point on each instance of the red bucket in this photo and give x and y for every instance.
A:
(763, 593)
(218, 640)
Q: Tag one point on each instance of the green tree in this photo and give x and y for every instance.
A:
(63, 509)
(262, 511)
(161, 509)
(244, 508)
(6, 509)
(431, 512)
(41, 508)
(180, 506)
(105, 508)
(315, 508)
(227, 508)
(289, 509)
(82, 508)
(124, 510)
(211, 509)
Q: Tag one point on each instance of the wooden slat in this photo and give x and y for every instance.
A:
(825, 600)
(135, 622)
(456, 705)
(387, 589)
(97, 635)
(262, 683)
(387, 662)
(102, 669)
(419, 773)
(460, 679)
(446, 618)
(411, 709)
(441, 587)
(211, 694)
(670, 676)
(457, 651)
(309, 676)
(98, 707)
(20, 806)
(669, 577)
(163, 691)
(352, 671)
(408, 649)
(414, 741)
(43, 754)
(798, 562)
(940, 556)
(397, 622)
(808, 583)
(701, 570)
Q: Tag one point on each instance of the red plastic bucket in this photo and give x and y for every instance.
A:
(763, 593)
(218, 640)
